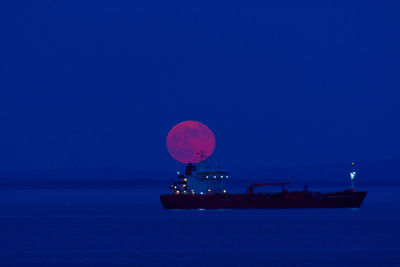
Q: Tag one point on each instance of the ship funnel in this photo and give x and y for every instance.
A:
(190, 168)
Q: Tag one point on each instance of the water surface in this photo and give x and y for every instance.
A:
(128, 227)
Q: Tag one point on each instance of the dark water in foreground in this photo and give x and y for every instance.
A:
(128, 227)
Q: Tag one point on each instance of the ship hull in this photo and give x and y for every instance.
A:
(346, 199)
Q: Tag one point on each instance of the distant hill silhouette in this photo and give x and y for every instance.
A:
(369, 173)
(374, 172)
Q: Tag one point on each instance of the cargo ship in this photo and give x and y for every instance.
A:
(204, 187)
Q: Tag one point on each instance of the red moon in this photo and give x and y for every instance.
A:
(187, 140)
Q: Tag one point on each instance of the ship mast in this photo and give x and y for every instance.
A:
(201, 154)
(352, 175)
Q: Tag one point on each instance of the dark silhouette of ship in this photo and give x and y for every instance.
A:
(202, 187)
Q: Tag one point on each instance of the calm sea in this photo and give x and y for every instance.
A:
(128, 227)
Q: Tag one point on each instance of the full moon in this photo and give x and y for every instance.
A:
(190, 142)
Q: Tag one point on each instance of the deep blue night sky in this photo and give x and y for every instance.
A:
(98, 84)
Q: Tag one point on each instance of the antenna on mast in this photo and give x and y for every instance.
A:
(201, 154)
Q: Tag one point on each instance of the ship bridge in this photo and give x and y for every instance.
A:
(202, 178)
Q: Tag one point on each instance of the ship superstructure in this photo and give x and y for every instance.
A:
(201, 178)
